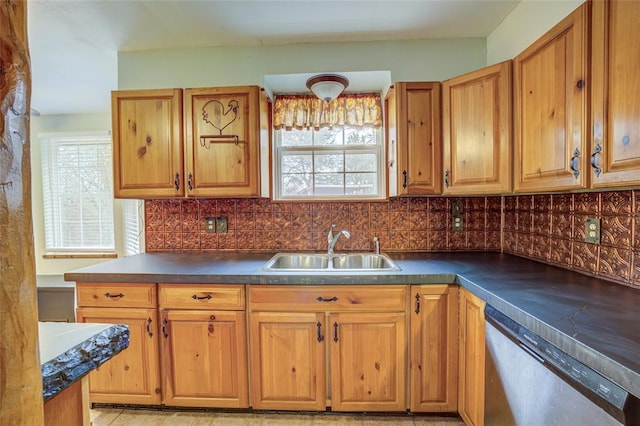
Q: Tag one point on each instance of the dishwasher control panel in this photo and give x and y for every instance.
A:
(589, 382)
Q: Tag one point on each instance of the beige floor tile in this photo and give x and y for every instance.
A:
(337, 419)
(438, 421)
(145, 418)
(103, 416)
(387, 420)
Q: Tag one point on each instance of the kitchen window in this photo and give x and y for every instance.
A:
(328, 150)
(78, 193)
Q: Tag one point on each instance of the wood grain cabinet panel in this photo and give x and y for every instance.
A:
(288, 360)
(116, 295)
(615, 61)
(418, 138)
(550, 88)
(223, 140)
(368, 361)
(472, 357)
(201, 296)
(477, 115)
(204, 358)
(132, 376)
(147, 143)
(434, 348)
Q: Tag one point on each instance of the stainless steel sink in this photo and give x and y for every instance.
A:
(320, 262)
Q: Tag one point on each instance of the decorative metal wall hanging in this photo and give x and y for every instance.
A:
(214, 113)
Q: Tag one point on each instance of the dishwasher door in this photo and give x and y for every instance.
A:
(530, 382)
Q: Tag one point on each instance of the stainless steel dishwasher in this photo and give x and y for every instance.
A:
(530, 382)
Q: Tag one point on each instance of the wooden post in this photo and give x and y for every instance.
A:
(21, 401)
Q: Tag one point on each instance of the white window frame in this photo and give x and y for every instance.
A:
(53, 215)
(378, 149)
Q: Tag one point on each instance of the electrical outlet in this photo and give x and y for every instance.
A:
(221, 224)
(457, 224)
(210, 224)
(592, 230)
(456, 215)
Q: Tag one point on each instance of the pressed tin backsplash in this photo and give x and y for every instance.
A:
(547, 228)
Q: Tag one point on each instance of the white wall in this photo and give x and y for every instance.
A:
(528, 21)
(54, 124)
(408, 60)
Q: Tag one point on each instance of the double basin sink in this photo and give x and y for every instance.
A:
(316, 262)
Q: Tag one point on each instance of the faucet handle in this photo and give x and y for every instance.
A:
(376, 243)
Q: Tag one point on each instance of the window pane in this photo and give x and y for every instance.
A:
(297, 163)
(361, 162)
(297, 184)
(361, 183)
(327, 136)
(360, 136)
(329, 183)
(295, 137)
(329, 163)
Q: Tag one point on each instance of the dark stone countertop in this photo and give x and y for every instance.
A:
(593, 320)
(68, 351)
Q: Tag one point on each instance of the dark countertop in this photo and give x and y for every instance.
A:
(68, 351)
(593, 320)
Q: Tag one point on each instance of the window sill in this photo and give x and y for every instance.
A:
(80, 256)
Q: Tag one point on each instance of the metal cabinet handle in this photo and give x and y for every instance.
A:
(323, 299)
(320, 336)
(417, 303)
(176, 181)
(596, 151)
(194, 297)
(149, 327)
(404, 181)
(335, 331)
(164, 328)
(573, 163)
(446, 178)
(190, 181)
(114, 296)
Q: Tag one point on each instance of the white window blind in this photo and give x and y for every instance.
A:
(133, 212)
(78, 193)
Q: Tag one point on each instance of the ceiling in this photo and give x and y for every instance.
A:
(74, 43)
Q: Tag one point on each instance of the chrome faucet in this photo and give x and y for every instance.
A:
(332, 240)
(376, 243)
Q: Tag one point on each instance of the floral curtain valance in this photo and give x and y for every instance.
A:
(308, 111)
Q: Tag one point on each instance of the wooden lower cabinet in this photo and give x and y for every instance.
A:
(324, 355)
(472, 357)
(132, 376)
(368, 361)
(204, 358)
(288, 360)
(434, 348)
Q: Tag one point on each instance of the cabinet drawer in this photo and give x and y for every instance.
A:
(117, 295)
(201, 296)
(294, 298)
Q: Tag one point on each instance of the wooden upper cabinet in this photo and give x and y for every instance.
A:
(223, 141)
(477, 114)
(551, 108)
(147, 143)
(419, 138)
(615, 56)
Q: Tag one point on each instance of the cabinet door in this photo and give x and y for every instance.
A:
(204, 355)
(472, 349)
(368, 361)
(477, 114)
(615, 155)
(223, 141)
(434, 348)
(419, 141)
(147, 143)
(288, 361)
(132, 376)
(551, 109)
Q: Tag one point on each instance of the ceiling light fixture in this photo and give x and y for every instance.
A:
(327, 86)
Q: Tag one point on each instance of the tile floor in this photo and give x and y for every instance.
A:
(126, 417)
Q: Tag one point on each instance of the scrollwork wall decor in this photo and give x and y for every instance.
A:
(215, 114)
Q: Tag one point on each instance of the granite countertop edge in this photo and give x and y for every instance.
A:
(578, 313)
(74, 363)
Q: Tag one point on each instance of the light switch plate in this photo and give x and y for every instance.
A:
(221, 224)
(592, 230)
